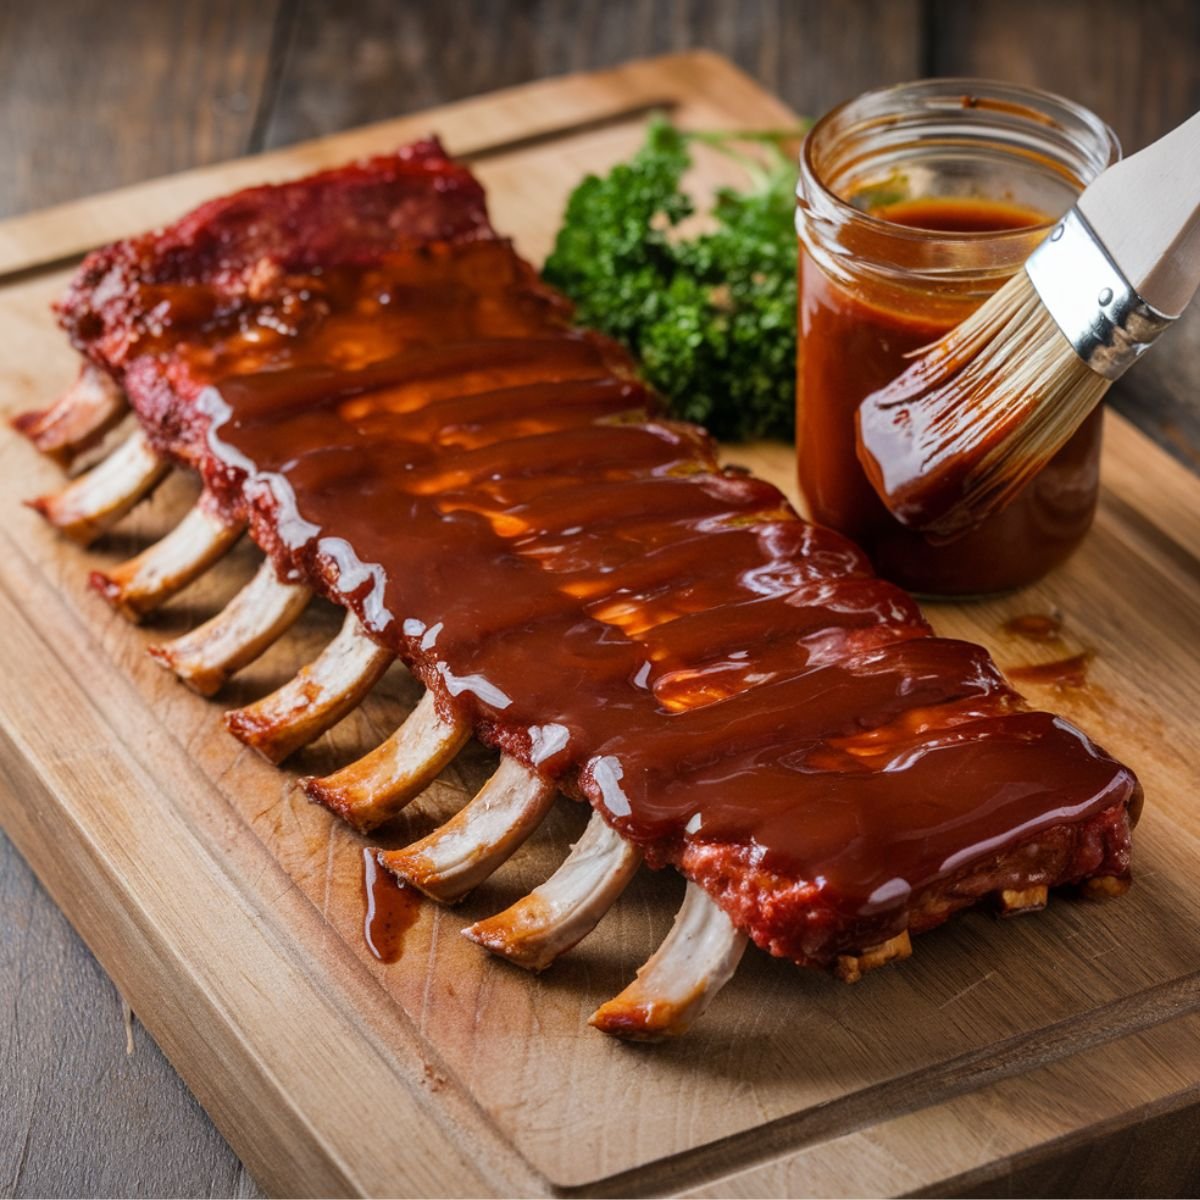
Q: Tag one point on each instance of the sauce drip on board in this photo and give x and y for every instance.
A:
(1059, 673)
(1067, 672)
(1035, 627)
(857, 339)
(421, 434)
(390, 910)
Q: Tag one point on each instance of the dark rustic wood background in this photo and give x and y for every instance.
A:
(93, 95)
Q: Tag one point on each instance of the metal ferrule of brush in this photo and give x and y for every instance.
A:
(1095, 306)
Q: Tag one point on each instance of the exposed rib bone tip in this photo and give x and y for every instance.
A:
(143, 584)
(1105, 887)
(93, 503)
(1014, 901)
(316, 698)
(850, 968)
(462, 853)
(677, 983)
(261, 613)
(561, 912)
(78, 419)
(377, 786)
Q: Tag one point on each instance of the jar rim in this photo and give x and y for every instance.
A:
(1035, 106)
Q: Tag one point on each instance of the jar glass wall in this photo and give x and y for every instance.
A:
(915, 204)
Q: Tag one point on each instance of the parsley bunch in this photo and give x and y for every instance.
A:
(712, 317)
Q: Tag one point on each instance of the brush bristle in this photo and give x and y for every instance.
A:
(977, 415)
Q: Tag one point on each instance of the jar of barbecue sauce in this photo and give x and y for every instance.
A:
(915, 204)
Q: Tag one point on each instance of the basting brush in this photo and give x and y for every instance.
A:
(981, 411)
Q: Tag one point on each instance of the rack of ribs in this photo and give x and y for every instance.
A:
(405, 418)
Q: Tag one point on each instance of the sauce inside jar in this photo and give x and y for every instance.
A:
(957, 214)
(854, 338)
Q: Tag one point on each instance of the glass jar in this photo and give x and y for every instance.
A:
(915, 203)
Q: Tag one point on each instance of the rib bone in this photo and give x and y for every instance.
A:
(1105, 887)
(676, 984)
(142, 584)
(376, 787)
(79, 418)
(850, 968)
(464, 851)
(1015, 901)
(95, 502)
(319, 696)
(264, 610)
(561, 912)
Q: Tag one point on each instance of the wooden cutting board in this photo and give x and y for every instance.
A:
(229, 911)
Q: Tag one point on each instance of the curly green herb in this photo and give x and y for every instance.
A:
(712, 317)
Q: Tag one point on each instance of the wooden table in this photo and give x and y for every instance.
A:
(97, 95)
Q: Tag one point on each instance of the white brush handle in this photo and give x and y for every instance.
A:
(1146, 212)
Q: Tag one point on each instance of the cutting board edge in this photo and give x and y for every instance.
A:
(900, 1145)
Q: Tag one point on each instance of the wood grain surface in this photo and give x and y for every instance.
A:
(95, 96)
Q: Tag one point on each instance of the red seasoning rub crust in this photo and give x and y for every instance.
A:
(362, 370)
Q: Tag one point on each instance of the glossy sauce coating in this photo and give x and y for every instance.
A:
(855, 341)
(587, 584)
(426, 439)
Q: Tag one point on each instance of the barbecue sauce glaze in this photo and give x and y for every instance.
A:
(428, 439)
(856, 339)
